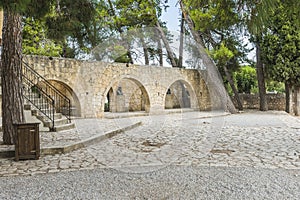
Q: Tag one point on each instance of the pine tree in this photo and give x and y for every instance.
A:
(11, 58)
(11, 69)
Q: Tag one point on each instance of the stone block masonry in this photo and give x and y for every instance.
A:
(251, 101)
(93, 86)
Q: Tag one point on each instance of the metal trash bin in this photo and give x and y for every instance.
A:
(27, 141)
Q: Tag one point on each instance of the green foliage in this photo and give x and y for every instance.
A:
(120, 54)
(222, 54)
(69, 17)
(256, 14)
(135, 13)
(18, 6)
(59, 21)
(275, 86)
(35, 40)
(281, 47)
(246, 80)
(213, 14)
(33, 8)
(219, 24)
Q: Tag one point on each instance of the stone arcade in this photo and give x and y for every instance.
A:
(95, 87)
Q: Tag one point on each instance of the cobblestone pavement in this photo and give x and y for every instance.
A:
(251, 139)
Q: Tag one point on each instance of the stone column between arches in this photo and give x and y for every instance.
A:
(91, 81)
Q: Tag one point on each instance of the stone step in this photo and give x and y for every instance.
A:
(65, 127)
(41, 112)
(60, 123)
(35, 100)
(29, 118)
(57, 122)
(45, 119)
(29, 106)
(33, 97)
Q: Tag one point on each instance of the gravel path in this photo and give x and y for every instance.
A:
(172, 182)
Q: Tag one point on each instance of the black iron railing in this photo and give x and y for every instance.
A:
(43, 95)
(38, 98)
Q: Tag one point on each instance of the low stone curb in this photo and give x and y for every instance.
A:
(77, 145)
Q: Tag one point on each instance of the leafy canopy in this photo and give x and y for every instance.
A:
(281, 46)
(35, 40)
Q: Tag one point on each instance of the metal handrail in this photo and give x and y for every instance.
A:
(45, 87)
(44, 103)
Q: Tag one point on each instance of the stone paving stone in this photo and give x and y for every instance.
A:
(270, 142)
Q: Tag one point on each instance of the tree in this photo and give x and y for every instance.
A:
(222, 56)
(166, 43)
(217, 24)
(11, 58)
(257, 18)
(281, 50)
(134, 26)
(246, 79)
(213, 79)
(255, 14)
(181, 38)
(35, 39)
(11, 62)
(1, 25)
(260, 71)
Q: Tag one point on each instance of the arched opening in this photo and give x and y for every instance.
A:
(179, 95)
(108, 105)
(129, 96)
(69, 93)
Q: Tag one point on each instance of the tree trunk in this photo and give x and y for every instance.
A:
(181, 42)
(159, 50)
(145, 50)
(118, 27)
(11, 64)
(287, 98)
(263, 104)
(160, 53)
(296, 102)
(1, 25)
(231, 82)
(218, 94)
(167, 46)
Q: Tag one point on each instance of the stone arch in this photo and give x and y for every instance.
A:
(180, 94)
(109, 103)
(128, 95)
(68, 92)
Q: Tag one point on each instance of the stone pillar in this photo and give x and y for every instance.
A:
(169, 101)
(120, 103)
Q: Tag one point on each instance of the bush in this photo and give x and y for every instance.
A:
(245, 79)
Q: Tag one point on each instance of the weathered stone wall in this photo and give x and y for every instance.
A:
(68, 92)
(178, 96)
(131, 97)
(90, 82)
(251, 101)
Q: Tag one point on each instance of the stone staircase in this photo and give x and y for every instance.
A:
(44, 101)
(32, 114)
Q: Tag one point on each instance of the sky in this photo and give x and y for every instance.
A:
(172, 16)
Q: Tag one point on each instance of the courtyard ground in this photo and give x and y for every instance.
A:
(187, 155)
